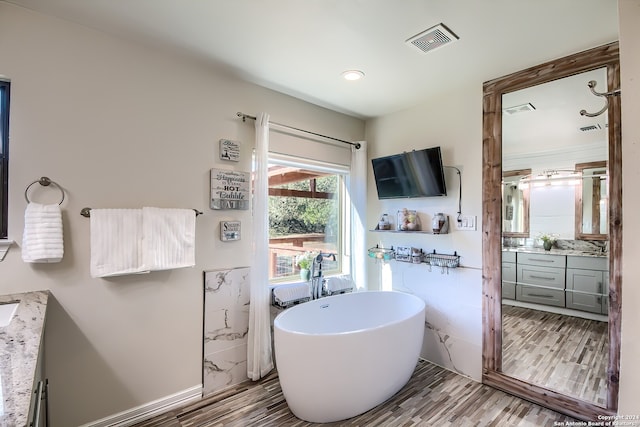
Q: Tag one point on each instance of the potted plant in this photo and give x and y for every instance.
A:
(304, 261)
(548, 240)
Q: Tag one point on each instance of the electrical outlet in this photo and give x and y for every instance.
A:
(467, 223)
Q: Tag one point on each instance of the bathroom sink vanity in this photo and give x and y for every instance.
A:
(22, 384)
(575, 280)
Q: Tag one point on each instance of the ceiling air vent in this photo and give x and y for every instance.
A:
(433, 38)
(519, 108)
(590, 128)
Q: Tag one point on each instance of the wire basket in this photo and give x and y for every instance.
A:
(381, 253)
(442, 260)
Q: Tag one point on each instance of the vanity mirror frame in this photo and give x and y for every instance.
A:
(603, 56)
(525, 204)
(580, 234)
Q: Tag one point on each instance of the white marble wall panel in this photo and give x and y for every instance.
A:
(453, 314)
(226, 326)
(224, 368)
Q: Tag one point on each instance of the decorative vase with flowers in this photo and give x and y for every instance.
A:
(304, 261)
(548, 240)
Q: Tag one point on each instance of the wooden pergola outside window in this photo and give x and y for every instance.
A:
(283, 249)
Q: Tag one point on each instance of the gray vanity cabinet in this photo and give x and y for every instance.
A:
(541, 278)
(588, 284)
(509, 275)
(575, 282)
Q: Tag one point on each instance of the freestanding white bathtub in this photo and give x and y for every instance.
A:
(342, 355)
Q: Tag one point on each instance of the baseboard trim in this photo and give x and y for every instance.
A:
(149, 410)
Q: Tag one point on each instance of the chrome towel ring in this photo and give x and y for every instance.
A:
(45, 182)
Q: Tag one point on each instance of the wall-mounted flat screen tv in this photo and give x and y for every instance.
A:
(413, 174)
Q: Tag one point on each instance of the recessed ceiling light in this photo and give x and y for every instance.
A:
(353, 75)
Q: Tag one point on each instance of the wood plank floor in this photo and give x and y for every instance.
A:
(432, 397)
(563, 353)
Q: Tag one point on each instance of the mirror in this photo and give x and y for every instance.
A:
(515, 203)
(554, 169)
(543, 295)
(543, 131)
(592, 200)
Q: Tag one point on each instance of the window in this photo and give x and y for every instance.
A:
(4, 157)
(306, 215)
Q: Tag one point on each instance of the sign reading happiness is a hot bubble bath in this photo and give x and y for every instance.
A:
(230, 189)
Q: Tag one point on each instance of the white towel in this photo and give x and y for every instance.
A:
(338, 284)
(169, 238)
(116, 242)
(290, 293)
(42, 240)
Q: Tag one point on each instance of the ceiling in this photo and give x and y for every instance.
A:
(555, 123)
(301, 47)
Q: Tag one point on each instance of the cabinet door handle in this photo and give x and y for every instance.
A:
(541, 260)
(542, 277)
(36, 417)
(541, 295)
(599, 287)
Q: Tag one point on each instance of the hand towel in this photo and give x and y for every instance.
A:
(169, 238)
(289, 293)
(116, 242)
(338, 284)
(42, 240)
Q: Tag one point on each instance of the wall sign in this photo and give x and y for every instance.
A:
(230, 189)
(229, 231)
(229, 150)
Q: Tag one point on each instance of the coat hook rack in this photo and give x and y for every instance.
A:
(592, 85)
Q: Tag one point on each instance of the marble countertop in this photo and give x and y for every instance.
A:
(555, 251)
(20, 343)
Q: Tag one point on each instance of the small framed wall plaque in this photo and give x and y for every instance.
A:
(230, 189)
(229, 150)
(229, 231)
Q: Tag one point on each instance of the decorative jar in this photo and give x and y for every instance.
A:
(408, 220)
(438, 223)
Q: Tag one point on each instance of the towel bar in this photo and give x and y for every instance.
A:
(45, 182)
(86, 212)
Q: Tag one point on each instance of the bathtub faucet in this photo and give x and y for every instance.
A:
(316, 274)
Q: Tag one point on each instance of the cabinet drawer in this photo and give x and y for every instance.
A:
(543, 276)
(508, 256)
(508, 290)
(585, 302)
(543, 260)
(588, 262)
(591, 281)
(508, 272)
(540, 295)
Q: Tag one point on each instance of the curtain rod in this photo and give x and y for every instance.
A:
(355, 144)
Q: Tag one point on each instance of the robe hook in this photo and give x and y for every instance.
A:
(592, 84)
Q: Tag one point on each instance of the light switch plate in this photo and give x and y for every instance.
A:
(467, 223)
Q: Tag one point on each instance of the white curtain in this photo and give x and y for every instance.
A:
(358, 196)
(259, 354)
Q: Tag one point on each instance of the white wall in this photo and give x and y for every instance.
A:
(629, 12)
(122, 125)
(454, 310)
(552, 210)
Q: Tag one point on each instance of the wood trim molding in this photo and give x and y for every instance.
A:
(603, 56)
(525, 205)
(579, 204)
